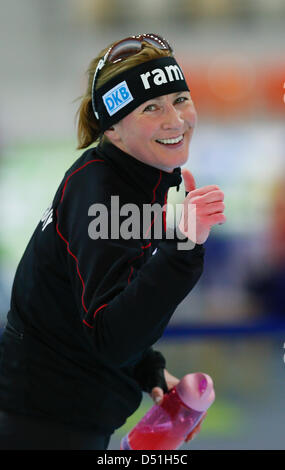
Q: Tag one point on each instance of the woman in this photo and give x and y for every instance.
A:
(86, 308)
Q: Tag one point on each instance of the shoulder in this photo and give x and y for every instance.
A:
(86, 166)
(89, 175)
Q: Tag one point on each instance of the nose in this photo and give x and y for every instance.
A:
(173, 118)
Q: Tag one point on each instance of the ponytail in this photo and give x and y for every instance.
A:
(88, 129)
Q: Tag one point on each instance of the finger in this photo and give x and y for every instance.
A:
(210, 196)
(212, 208)
(189, 180)
(195, 431)
(203, 190)
(170, 379)
(157, 395)
(192, 435)
(216, 219)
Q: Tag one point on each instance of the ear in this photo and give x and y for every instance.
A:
(112, 134)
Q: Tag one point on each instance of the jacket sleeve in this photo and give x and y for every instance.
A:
(124, 305)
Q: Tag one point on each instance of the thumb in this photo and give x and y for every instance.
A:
(189, 180)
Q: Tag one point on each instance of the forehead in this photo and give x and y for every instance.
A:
(161, 99)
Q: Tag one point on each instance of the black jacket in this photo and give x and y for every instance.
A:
(85, 312)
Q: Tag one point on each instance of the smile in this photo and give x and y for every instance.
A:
(173, 141)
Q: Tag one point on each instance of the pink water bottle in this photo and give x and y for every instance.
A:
(166, 426)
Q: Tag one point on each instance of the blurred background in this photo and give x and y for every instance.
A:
(232, 326)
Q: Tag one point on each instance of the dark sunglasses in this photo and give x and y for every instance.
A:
(126, 48)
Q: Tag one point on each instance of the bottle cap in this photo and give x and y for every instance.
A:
(196, 391)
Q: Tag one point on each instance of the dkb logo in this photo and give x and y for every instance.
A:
(117, 98)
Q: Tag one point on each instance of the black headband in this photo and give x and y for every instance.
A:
(128, 90)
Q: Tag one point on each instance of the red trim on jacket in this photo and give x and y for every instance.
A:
(76, 259)
(67, 242)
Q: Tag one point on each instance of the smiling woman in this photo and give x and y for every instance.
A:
(77, 352)
(158, 132)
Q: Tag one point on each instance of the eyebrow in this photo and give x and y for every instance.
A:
(159, 98)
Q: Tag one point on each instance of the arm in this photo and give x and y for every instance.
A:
(124, 305)
(149, 371)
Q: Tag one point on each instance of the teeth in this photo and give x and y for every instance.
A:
(170, 141)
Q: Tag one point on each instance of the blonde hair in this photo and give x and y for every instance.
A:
(88, 129)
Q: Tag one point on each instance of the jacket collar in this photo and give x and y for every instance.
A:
(148, 180)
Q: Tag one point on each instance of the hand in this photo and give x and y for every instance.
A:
(157, 396)
(157, 392)
(209, 209)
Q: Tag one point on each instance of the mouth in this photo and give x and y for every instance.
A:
(173, 142)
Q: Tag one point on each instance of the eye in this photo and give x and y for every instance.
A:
(181, 99)
(150, 107)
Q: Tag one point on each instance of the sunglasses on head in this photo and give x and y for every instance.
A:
(126, 48)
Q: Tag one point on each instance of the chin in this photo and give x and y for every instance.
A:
(181, 161)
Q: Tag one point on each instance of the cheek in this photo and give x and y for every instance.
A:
(147, 135)
(194, 117)
(191, 116)
(139, 132)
